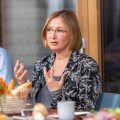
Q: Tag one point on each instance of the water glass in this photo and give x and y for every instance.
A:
(30, 102)
(31, 97)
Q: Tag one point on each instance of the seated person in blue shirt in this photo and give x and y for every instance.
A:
(6, 65)
(65, 75)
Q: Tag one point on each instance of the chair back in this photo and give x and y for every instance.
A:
(108, 100)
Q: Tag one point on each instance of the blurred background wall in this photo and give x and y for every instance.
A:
(22, 24)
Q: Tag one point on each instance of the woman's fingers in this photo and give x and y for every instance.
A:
(20, 71)
(49, 75)
(21, 65)
(61, 82)
(21, 78)
(16, 67)
(52, 84)
(24, 73)
(46, 74)
(52, 73)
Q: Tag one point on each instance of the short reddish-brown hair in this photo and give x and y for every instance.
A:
(72, 24)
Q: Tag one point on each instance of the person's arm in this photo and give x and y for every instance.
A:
(6, 66)
(89, 86)
(56, 94)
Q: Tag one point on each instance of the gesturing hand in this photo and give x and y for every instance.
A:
(20, 73)
(52, 84)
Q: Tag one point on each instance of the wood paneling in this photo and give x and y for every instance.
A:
(94, 29)
(82, 15)
(88, 14)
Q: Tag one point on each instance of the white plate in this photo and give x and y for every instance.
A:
(82, 113)
(76, 113)
(19, 118)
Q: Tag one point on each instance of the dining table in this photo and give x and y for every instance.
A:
(77, 117)
(50, 112)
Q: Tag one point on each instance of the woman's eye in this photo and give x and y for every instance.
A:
(48, 29)
(59, 30)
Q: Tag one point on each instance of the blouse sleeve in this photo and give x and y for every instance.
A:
(55, 94)
(89, 86)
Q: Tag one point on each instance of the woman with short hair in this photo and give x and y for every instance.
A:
(65, 75)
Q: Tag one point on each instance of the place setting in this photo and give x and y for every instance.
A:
(65, 111)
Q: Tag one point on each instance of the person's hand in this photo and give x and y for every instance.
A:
(19, 72)
(52, 84)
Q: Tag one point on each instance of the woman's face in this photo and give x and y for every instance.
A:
(57, 35)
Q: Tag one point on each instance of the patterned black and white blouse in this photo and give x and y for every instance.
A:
(82, 82)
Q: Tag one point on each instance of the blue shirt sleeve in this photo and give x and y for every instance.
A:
(6, 66)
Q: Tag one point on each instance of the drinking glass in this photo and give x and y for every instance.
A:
(30, 102)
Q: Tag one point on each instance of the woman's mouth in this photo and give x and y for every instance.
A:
(54, 43)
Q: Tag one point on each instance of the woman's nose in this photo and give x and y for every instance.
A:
(53, 34)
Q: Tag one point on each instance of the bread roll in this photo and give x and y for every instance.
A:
(39, 116)
(11, 84)
(22, 89)
(40, 108)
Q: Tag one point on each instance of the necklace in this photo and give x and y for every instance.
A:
(60, 64)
